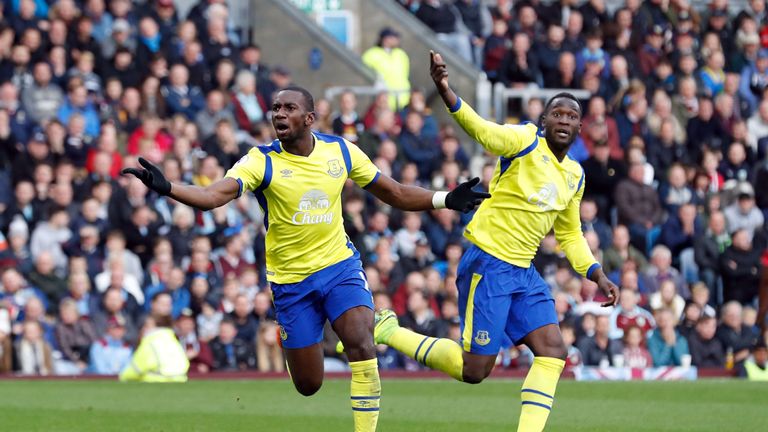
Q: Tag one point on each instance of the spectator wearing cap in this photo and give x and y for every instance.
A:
(719, 24)
(740, 267)
(651, 52)
(42, 99)
(747, 50)
(122, 37)
(110, 353)
(743, 214)
(392, 64)
(17, 253)
(78, 102)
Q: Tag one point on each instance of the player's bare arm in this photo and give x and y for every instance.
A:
(203, 198)
(413, 198)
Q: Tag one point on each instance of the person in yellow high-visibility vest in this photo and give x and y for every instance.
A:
(159, 356)
(756, 368)
(393, 66)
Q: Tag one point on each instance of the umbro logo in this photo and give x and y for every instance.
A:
(286, 173)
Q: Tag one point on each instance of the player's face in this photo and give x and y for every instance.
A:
(289, 116)
(562, 123)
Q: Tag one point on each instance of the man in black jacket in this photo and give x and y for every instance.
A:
(706, 350)
(230, 353)
(740, 267)
(602, 173)
(708, 248)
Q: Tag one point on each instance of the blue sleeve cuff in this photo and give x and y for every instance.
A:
(455, 107)
(592, 269)
(240, 188)
(375, 179)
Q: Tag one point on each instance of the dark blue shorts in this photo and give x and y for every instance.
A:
(495, 298)
(303, 307)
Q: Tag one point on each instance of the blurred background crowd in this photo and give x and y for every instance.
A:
(674, 145)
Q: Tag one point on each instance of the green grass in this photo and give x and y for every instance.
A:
(407, 406)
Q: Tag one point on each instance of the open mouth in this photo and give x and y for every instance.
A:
(562, 133)
(281, 127)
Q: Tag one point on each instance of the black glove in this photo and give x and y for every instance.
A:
(151, 176)
(463, 198)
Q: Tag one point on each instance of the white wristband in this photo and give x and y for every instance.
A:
(438, 200)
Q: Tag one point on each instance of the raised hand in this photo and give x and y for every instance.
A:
(151, 176)
(463, 198)
(439, 71)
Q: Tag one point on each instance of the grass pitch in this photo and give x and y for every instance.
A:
(407, 406)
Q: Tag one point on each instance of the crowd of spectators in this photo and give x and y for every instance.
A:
(673, 146)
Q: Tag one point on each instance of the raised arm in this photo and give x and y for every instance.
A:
(203, 198)
(414, 198)
(497, 139)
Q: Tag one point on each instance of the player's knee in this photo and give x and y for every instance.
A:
(475, 374)
(308, 387)
(360, 351)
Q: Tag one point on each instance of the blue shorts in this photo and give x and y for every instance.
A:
(497, 298)
(303, 307)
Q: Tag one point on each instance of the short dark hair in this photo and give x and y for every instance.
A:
(309, 101)
(562, 95)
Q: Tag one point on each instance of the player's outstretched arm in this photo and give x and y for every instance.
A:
(203, 198)
(413, 198)
(497, 139)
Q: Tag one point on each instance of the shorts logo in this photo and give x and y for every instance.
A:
(313, 209)
(283, 334)
(334, 168)
(481, 338)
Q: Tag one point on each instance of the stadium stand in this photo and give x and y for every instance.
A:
(674, 146)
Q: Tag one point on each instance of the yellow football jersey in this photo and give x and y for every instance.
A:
(301, 200)
(532, 192)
